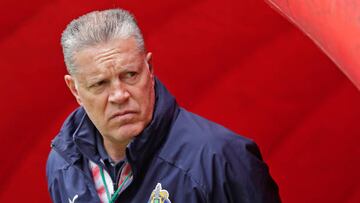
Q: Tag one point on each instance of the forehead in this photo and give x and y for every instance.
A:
(114, 52)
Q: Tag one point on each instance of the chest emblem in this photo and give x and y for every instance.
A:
(159, 195)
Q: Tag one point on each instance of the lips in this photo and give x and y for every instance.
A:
(121, 114)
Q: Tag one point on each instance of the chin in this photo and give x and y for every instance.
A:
(127, 132)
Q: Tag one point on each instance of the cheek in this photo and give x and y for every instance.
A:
(94, 105)
(145, 100)
(149, 102)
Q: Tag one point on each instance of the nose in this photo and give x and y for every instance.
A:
(119, 93)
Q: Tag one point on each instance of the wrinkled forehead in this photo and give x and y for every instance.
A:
(114, 52)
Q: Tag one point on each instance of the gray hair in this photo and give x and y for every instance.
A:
(98, 27)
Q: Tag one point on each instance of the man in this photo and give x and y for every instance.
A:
(129, 141)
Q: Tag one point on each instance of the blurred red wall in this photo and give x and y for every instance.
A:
(238, 63)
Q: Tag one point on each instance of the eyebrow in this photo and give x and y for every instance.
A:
(100, 76)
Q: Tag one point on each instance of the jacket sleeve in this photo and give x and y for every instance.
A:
(53, 177)
(55, 192)
(243, 176)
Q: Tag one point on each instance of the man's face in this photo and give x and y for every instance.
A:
(114, 84)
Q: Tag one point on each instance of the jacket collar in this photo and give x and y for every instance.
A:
(141, 150)
(78, 134)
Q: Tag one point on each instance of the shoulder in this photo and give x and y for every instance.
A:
(195, 144)
(63, 151)
(225, 164)
(55, 165)
(194, 133)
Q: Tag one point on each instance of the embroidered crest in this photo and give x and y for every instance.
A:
(159, 195)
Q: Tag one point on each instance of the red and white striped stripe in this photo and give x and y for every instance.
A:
(99, 185)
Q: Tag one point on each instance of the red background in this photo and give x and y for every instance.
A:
(238, 63)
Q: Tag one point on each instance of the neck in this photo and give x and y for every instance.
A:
(116, 151)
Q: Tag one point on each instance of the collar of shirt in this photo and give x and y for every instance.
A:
(112, 168)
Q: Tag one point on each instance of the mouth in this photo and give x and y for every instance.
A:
(121, 114)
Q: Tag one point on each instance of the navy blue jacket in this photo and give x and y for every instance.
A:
(194, 159)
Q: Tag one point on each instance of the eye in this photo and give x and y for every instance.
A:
(130, 77)
(98, 84)
(131, 74)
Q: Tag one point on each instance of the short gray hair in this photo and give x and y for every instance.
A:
(98, 27)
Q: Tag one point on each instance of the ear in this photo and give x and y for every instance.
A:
(148, 59)
(70, 82)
